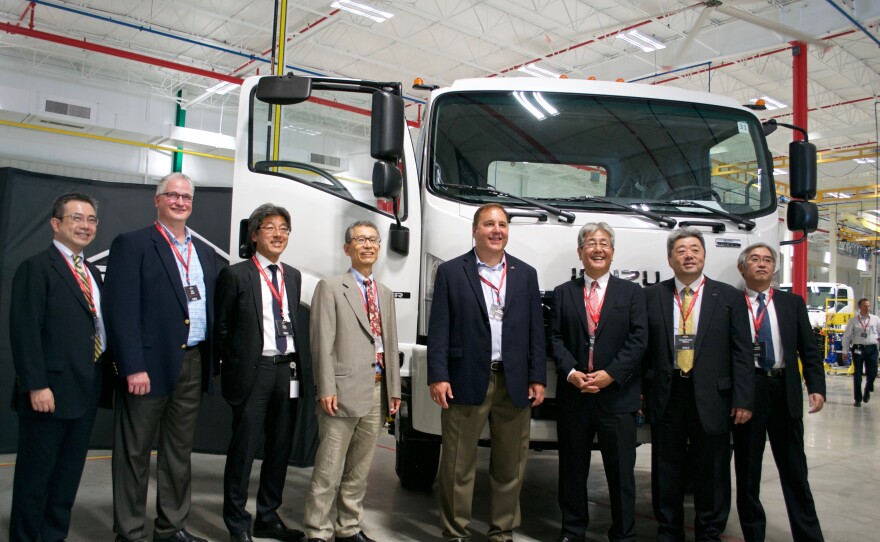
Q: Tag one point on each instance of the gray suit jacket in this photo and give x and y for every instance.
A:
(343, 354)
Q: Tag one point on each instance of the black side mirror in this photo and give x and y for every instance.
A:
(802, 216)
(387, 180)
(284, 89)
(246, 247)
(802, 169)
(386, 132)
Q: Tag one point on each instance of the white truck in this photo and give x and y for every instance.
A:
(818, 306)
(556, 153)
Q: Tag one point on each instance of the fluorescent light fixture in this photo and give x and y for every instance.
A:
(864, 160)
(640, 45)
(650, 42)
(537, 71)
(827, 258)
(861, 265)
(221, 88)
(771, 103)
(777, 171)
(363, 10)
(837, 195)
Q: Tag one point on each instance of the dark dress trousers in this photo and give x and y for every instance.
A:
(695, 411)
(52, 333)
(147, 317)
(256, 389)
(621, 338)
(778, 415)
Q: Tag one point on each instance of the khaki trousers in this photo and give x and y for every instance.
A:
(342, 463)
(509, 431)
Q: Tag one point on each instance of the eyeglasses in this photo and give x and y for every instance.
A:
(77, 218)
(758, 259)
(593, 244)
(362, 240)
(271, 229)
(174, 196)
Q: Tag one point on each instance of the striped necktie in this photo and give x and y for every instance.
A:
(86, 285)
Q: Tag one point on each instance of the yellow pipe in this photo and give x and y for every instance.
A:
(279, 70)
(112, 140)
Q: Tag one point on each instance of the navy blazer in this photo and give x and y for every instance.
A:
(146, 310)
(459, 338)
(621, 339)
(238, 329)
(724, 370)
(52, 334)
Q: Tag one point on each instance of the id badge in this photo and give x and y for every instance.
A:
(192, 292)
(758, 351)
(283, 328)
(496, 311)
(864, 335)
(294, 383)
(857, 350)
(380, 347)
(684, 342)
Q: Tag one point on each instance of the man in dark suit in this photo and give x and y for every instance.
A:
(698, 377)
(57, 336)
(782, 333)
(486, 361)
(159, 309)
(257, 338)
(598, 335)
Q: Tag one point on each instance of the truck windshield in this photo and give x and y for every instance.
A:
(818, 296)
(561, 147)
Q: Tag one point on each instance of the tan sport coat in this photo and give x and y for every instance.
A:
(343, 353)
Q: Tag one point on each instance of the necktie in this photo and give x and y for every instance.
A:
(373, 314)
(593, 300)
(86, 285)
(765, 335)
(686, 357)
(280, 340)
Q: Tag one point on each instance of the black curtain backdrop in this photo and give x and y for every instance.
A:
(25, 207)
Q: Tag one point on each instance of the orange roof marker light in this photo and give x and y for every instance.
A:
(591, 78)
(620, 80)
(419, 84)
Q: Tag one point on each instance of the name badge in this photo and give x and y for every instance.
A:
(294, 383)
(685, 342)
(496, 312)
(759, 349)
(592, 341)
(380, 347)
(283, 328)
(864, 335)
(857, 350)
(192, 292)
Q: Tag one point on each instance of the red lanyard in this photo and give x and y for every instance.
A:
(82, 285)
(867, 322)
(496, 289)
(594, 316)
(189, 251)
(275, 293)
(685, 315)
(760, 318)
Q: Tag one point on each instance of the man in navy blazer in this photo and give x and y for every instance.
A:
(57, 338)
(159, 308)
(779, 401)
(486, 361)
(699, 378)
(259, 344)
(598, 335)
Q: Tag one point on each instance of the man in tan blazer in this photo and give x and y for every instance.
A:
(355, 358)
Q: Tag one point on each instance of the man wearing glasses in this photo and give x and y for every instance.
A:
(159, 309)
(355, 358)
(58, 343)
(258, 340)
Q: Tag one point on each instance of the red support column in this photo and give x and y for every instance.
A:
(799, 107)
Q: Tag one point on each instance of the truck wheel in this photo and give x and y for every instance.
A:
(417, 457)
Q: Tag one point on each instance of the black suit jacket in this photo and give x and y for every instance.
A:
(147, 313)
(460, 341)
(797, 340)
(238, 330)
(52, 333)
(724, 370)
(621, 339)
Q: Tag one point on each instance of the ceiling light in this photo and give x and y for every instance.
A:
(651, 42)
(864, 160)
(221, 88)
(861, 265)
(777, 171)
(837, 195)
(640, 45)
(537, 71)
(363, 10)
(770, 103)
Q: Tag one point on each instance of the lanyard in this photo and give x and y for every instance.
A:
(82, 285)
(594, 316)
(177, 252)
(757, 321)
(685, 315)
(866, 324)
(275, 293)
(496, 289)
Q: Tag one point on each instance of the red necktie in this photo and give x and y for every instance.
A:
(591, 322)
(373, 314)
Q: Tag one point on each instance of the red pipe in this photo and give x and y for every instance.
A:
(800, 109)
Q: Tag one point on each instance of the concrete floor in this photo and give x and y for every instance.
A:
(842, 446)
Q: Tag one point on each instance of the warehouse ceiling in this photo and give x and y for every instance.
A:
(736, 48)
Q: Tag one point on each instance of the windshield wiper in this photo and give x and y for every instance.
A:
(742, 223)
(664, 221)
(559, 213)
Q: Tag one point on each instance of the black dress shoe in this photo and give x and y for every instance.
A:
(120, 538)
(241, 537)
(866, 396)
(567, 538)
(857, 404)
(360, 537)
(179, 536)
(276, 530)
(316, 540)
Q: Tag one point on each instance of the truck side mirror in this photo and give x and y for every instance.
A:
(246, 247)
(386, 129)
(387, 180)
(284, 89)
(802, 216)
(802, 169)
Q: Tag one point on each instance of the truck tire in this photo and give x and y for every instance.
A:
(417, 456)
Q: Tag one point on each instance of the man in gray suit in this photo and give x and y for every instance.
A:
(355, 358)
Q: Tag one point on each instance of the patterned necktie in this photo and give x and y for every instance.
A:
(686, 357)
(280, 340)
(765, 335)
(373, 314)
(593, 300)
(86, 285)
